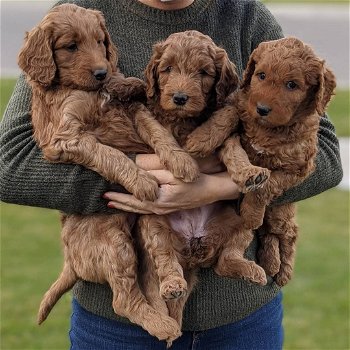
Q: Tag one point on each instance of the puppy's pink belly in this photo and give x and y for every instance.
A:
(191, 223)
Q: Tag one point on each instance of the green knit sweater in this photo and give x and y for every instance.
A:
(238, 26)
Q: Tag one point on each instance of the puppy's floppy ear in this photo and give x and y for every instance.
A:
(327, 84)
(36, 56)
(151, 75)
(249, 71)
(111, 49)
(320, 78)
(228, 77)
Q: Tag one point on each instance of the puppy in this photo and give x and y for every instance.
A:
(187, 79)
(83, 112)
(285, 90)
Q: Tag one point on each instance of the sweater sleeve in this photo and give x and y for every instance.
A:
(28, 179)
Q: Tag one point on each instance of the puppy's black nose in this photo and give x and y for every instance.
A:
(100, 74)
(180, 98)
(263, 110)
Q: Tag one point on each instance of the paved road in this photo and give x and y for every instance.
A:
(326, 28)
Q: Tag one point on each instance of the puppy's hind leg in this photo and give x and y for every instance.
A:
(62, 285)
(232, 262)
(160, 243)
(121, 272)
(282, 226)
(176, 306)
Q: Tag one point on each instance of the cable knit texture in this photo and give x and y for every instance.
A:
(238, 26)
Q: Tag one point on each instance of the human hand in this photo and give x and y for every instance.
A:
(207, 165)
(210, 164)
(176, 195)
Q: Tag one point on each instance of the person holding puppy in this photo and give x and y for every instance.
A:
(222, 313)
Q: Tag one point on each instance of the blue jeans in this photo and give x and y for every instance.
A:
(262, 330)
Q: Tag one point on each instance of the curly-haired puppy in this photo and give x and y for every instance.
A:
(285, 90)
(187, 79)
(71, 65)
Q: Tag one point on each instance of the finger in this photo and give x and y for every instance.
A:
(125, 207)
(163, 176)
(119, 197)
(124, 200)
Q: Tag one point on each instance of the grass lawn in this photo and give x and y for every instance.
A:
(30, 261)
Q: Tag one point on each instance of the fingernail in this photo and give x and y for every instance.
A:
(110, 205)
(105, 196)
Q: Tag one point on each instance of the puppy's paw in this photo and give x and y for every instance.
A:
(241, 268)
(125, 89)
(284, 275)
(251, 178)
(183, 166)
(256, 275)
(173, 288)
(145, 187)
(257, 179)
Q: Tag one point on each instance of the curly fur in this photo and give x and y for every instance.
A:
(188, 78)
(83, 111)
(285, 90)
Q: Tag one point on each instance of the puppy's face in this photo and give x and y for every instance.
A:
(285, 82)
(187, 73)
(80, 55)
(70, 47)
(276, 91)
(186, 76)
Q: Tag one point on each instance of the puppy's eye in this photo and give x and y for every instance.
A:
(167, 69)
(203, 72)
(261, 76)
(99, 42)
(291, 85)
(72, 47)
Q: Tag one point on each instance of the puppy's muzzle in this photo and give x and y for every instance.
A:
(180, 98)
(263, 110)
(100, 74)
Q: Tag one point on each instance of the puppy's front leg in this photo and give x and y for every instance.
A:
(124, 89)
(254, 203)
(248, 177)
(171, 155)
(71, 144)
(205, 139)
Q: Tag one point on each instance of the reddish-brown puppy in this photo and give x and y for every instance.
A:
(188, 78)
(285, 90)
(71, 65)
